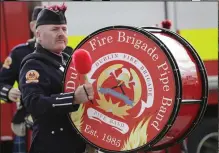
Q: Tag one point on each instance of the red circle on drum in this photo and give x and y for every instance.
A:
(134, 88)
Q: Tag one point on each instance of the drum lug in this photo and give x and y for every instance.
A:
(169, 125)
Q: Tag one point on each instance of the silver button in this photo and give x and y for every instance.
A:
(61, 129)
(53, 132)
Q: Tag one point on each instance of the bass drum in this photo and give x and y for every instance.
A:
(150, 89)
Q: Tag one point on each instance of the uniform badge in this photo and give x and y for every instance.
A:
(7, 62)
(32, 76)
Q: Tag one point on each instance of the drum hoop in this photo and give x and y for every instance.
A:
(203, 74)
(178, 83)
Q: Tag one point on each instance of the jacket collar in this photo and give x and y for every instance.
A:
(42, 50)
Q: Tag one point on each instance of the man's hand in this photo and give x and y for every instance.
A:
(14, 95)
(81, 96)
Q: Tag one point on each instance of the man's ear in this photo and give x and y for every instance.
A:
(32, 26)
(37, 35)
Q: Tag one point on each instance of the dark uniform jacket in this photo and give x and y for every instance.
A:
(41, 88)
(9, 72)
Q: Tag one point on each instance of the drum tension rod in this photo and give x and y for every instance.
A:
(184, 146)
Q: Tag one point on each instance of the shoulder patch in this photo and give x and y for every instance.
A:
(7, 62)
(32, 76)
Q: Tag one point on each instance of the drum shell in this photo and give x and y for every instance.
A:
(194, 87)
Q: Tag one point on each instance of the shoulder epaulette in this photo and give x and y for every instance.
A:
(20, 45)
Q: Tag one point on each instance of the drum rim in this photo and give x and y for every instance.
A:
(203, 74)
(178, 83)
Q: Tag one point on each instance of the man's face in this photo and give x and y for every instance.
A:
(53, 37)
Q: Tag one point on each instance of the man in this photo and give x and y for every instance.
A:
(10, 69)
(40, 82)
(8, 76)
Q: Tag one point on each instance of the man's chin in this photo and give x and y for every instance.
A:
(59, 48)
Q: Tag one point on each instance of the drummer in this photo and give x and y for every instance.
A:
(41, 87)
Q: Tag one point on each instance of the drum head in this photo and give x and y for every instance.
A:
(137, 90)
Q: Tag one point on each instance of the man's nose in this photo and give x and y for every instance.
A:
(61, 32)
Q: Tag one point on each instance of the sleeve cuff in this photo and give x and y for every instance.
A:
(64, 102)
(4, 92)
